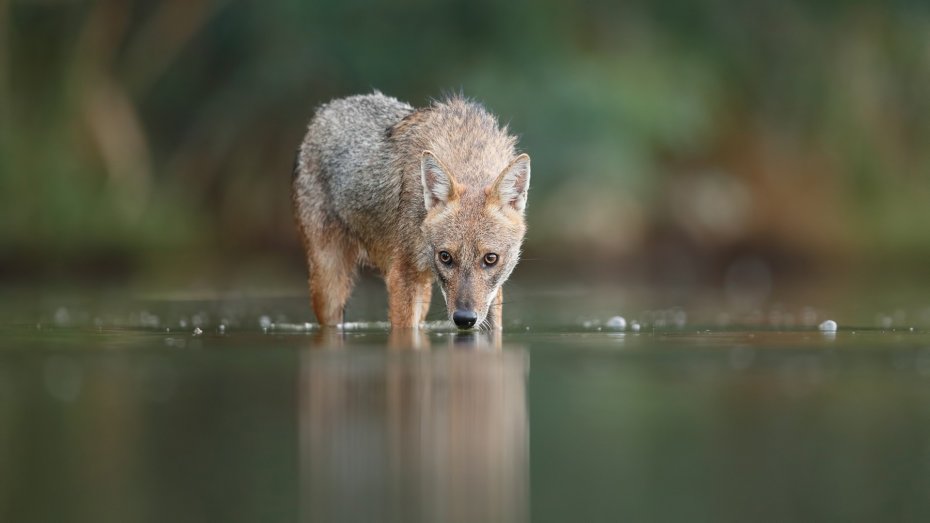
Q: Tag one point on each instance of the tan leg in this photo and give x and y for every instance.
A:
(496, 310)
(332, 266)
(405, 296)
(425, 297)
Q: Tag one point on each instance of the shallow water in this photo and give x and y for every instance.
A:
(119, 411)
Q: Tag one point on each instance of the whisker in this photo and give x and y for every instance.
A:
(506, 302)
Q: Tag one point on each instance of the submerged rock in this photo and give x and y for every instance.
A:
(828, 326)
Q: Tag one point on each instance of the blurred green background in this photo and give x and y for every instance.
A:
(682, 142)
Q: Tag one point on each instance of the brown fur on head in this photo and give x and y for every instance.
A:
(474, 232)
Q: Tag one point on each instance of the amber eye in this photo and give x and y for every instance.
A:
(445, 257)
(490, 259)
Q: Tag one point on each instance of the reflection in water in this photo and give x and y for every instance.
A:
(731, 425)
(415, 339)
(441, 435)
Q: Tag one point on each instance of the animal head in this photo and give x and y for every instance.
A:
(474, 234)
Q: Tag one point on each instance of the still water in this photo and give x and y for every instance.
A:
(233, 410)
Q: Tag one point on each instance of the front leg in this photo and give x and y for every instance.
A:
(425, 298)
(406, 289)
(495, 311)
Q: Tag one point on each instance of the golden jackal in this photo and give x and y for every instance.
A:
(417, 193)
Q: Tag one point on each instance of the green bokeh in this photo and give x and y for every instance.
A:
(147, 140)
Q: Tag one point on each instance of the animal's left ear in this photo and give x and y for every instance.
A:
(513, 183)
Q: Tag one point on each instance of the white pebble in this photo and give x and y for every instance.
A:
(197, 331)
(617, 323)
(62, 317)
(264, 322)
(635, 326)
(828, 326)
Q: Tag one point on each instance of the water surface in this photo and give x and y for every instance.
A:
(235, 410)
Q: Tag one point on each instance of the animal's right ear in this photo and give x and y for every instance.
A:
(439, 187)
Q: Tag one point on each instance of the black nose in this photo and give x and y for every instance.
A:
(464, 319)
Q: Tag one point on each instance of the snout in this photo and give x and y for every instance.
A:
(464, 319)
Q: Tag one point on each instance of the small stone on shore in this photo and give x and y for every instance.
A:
(616, 323)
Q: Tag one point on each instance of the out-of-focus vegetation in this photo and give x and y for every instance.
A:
(687, 141)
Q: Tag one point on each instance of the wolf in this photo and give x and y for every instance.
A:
(436, 193)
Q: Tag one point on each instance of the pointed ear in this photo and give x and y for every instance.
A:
(513, 183)
(439, 186)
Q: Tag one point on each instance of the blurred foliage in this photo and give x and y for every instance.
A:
(156, 138)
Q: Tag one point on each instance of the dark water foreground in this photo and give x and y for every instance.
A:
(129, 415)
